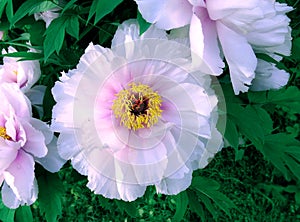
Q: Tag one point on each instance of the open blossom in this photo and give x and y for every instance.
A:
(133, 115)
(233, 29)
(24, 73)
(47, 16)
(23, 141)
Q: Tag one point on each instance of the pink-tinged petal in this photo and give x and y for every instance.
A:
(35, 143)
(17, 100)
(239, 56)
(204, 44)
(20, 177)
(268, 76)
(200, 3)
(219, 9)
(7, 155)
(52, 161)
(42, 127)
(166, 14)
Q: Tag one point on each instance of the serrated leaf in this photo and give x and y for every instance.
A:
(182, 201)
(72, 27)
(144, 25)
(55, 35)
(284, 152)
(208, 189)
(6, 214)
(286, 97)
(51, 191)
(101, 8)
(23, 214)
(128, 207)
(247, 123)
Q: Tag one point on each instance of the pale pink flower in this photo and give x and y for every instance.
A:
(24, 73)
(1, 34)
(47, 16)
(134, 115)
(233, 29)
(23, 140)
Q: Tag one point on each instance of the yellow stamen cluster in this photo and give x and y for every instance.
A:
(138, 107)
(3, 133)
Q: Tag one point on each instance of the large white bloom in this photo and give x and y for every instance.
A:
(134, 116)
(233, 29)
(23, 141)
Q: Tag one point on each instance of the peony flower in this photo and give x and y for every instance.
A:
(134, 115)
(47, 16)
(1, 35)
(234, 29)
(23, 140)
(24, 73)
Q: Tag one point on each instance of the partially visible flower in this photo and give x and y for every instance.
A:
(23, 140)
(24, 73)
(134, 116)
(235, 29)
(47, 16)
(1, 34)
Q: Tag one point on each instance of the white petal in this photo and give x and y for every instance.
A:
(268, 77)
(204, 43)
(52, 161)
(239, 56)
(166, 14)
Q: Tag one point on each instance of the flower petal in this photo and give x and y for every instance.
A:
(204, 43)
(239, 56)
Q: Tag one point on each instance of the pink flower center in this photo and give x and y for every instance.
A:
(137, 107)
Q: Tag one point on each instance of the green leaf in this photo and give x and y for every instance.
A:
(55, 35)
(207, 191)
(101, 8)
(2, 6)
(231, 134)
(72, 26)
(51, 191)
(283, 150)
(246, 122)
(144, 25)
(23, 214)
(195, 206)
(24, 55)
(128, 207)
(182, 201)
(285, 97)
(9, 10)
(25, 9)
(6, 214)
(42, 7)
(68, 6)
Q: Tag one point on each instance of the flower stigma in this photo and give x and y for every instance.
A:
(137, 107)
(3, 133)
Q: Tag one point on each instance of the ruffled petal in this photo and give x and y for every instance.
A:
(268, 77)
(239, 56)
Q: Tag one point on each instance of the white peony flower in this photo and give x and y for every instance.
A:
(134, 115)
